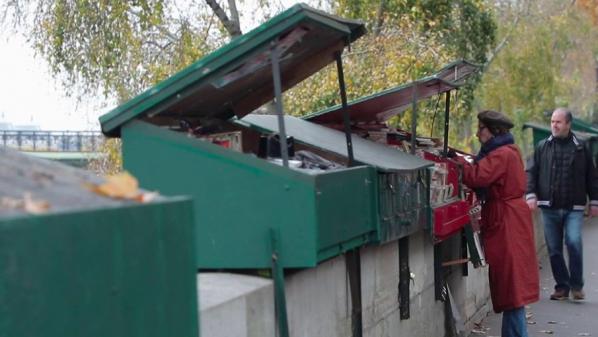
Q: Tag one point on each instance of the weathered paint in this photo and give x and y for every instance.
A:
(239, 197)
(114, 271)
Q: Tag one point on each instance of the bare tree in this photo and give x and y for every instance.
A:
(231, 23)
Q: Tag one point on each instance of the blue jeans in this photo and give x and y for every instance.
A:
(514, 323)
(559, 222)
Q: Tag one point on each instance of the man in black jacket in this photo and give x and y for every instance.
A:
(560, 178)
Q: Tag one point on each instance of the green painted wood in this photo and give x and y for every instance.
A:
(238, 197)
(120, 272)
(581, 125)
(541, 131)
(345, 206)
(581, 129)
(401, 207)
(236, 79)
(365, 151)
(280, 301)
(404, 204)
(385, 104)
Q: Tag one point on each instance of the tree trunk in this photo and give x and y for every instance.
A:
(231, 25)
(379, 18)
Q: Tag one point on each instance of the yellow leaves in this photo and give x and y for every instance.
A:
(122, 186)
(375, 63)
(590, 7)
(110, 162)
(118, 186)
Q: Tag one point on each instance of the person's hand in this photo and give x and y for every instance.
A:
(593, 211)
(450, 153)
(533, 204)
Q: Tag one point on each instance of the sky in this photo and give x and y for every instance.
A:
(30, 97)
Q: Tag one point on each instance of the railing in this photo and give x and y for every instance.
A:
(52, 141)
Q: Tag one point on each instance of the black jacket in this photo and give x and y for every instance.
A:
(584, 176)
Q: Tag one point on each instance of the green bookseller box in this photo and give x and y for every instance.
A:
(91, 265)
(186, 136)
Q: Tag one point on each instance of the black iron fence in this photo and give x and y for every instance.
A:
(52, 141)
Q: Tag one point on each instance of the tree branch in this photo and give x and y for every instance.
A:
(379, 18)
(504, 41)
(161, 29)
(235, 16)
(232, 29)
(207, 31)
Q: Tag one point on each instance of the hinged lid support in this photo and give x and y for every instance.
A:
(346, 119)
(278, 100)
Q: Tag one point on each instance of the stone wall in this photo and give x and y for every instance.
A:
(319, 302)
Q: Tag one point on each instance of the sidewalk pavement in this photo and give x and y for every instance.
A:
(559, 318)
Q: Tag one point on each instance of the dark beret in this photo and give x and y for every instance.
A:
(495, 119)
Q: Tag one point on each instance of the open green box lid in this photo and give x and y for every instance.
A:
(237, 78)
(383, 105)
(542, 131)
(365, 151)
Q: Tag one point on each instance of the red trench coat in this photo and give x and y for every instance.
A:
(506, 228)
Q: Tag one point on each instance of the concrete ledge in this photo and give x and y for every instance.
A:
(235, 305)
(319, 302)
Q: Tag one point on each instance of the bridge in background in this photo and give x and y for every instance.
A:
(52, 141)
(71, 147)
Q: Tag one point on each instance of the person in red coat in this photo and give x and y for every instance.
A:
(497, 174)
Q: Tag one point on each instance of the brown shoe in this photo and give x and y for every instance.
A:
(578, 295)
(559, 295)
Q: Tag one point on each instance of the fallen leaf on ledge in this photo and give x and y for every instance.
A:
(122, 186)
(35, 206)
(147, 197)
(11, 203)
(27, 203)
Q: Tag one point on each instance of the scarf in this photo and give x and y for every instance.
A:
(494, 143)
(491, 145)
